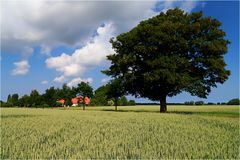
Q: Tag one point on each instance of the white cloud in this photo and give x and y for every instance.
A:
(85, 58)
(78, 80)
(49, 24)
(60, 79)
(22, 68)
(44, 82)
(186, 5)
(64, 22)
(70, 23)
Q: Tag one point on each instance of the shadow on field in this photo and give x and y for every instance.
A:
(119, 110)
(220, 114)
(19, 116)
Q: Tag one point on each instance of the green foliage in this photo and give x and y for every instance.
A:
(170, 53)
(189, 103)
(9, 101)
(115, 90)
(50, 96)
(100, 98)
(84, 89)
(123, 101)
(234, 101)
(24, 101)
(35, 98)
(199, 103)
(14, 99)
(3, 104)
(211, 103)
(131, 103)
(110, 103)
(45, 105)
(135, 133)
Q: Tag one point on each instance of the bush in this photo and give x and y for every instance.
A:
(211, 103)
(131, 103)
(45, 105)
(234, 101)
(123, 101)
(199, 103)
(5, 104)
(189, 103)
(110, 103)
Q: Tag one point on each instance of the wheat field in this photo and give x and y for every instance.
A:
(131, 133)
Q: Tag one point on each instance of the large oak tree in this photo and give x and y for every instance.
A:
(170, 53)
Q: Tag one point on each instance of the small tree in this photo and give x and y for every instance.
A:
(85, 90)
(9, 100)
(234, 101)
(14, 99)
(50, 97)
(115, 90)
(123, 101)
(131, 103)
(24, 101)
(189, 103)
(35, 98)
(100, 97)
(110, 103)
(199, 103)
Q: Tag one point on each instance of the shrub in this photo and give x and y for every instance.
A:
(234, 101)
(211, 103)
(131, 103)
(45, 105)
(189, 103)
(110, 103)
(199, 103)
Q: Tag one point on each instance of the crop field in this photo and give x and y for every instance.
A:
(133, 132)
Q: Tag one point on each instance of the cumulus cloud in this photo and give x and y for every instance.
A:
(78, 80)
(44, 82)
(186, 5)
(71, 22)
(59, 79)
(21, 68)
(49, 24)
(64, 22)
(85, 58)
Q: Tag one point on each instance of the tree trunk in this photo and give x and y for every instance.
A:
(115, 104)
(163, 104)
(84, 103)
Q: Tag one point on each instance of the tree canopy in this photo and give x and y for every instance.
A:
(170, 53)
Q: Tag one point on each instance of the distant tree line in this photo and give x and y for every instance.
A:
(99, 97)
(234, 101)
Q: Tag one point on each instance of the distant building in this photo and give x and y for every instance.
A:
(79, 99)
(62, 101)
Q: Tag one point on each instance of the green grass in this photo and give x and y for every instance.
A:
(132, 132)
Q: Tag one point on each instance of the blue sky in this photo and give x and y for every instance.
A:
(68, 42)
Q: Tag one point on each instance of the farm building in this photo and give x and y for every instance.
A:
(79, 99)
